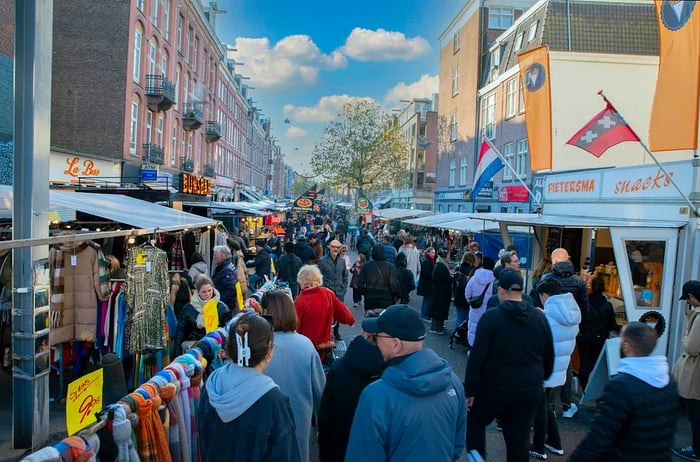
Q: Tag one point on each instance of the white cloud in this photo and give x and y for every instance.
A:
(423, 88)
(293, 62)
(295, 132)
(382, 45)
(325, 110)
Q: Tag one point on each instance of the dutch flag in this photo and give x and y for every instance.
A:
(488, 164)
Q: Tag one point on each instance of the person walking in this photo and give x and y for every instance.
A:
(512, 356)
(441, 287)
(242, 412)
(686, 371)
(389, 250)
(425, 290)
(412, 256)
(637, 413)
(288, 266)
(295, 367)
(225, 276)
(355, 270)
(335, 276)
(563, 317)
(480, 283)
(378, 282)
(406, 279)
(416, 410)
(262, 264)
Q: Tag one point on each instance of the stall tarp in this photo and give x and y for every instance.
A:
(432, 221)
(243, 207)
(127, 210)
(56, 213)
(399, 214)
(568, 221)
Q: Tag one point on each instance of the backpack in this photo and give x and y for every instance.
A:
(364, 245)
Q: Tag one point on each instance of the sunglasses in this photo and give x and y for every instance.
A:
(376, 336)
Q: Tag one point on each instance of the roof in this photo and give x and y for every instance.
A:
(245, 207)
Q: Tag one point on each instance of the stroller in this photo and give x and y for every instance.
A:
(460, 335)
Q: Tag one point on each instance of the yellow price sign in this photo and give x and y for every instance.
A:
(140, 258)
(211, 315)
(83, 401)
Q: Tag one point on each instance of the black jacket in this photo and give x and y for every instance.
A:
(304, 252)
(513, 352)
(262, 262)
(571, 282)
(406, 279)
(361, 365)
(441, 285)
(378, 281)
(288, 265)
(425, 277)
(634, 421)
(265, 432)
(599, 320)
(225, 278)
(187, 329)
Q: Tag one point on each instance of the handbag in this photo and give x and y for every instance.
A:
(476, 302)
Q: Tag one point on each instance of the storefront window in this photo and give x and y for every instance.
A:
(646, 261)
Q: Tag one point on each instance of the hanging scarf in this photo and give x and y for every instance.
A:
(150, 435)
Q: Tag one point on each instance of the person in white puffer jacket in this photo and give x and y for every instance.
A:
(564, 316)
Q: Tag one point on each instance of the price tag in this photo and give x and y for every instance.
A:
(73, 260)
(83, 401)
(141, 258)
(148, 266)
(211, 316)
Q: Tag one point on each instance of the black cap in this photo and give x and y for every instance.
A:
(510, 279)
(398, 321)
(691, 287)
(260, 242)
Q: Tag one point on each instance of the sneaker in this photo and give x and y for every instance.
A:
(554, 450)
(571, 412)
(537, 454)
(437, 331)
(427, 319)
(686, 453)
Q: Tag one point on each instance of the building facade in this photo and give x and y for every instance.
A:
(418, 124)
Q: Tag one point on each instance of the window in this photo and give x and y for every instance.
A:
(188, 44)
(521, 161)
(166, 19)
(194, 53)
(453, 170)
(177, 84)
(521, 98)
(453, 128)
(511, 96)
(139, 4)
(455, 43)
(149, 126)
(500, 18)
(159, 131)
(186, 91)
(508, 156)
(518, 44)
(496, 57)
(173, 146)
(180, 20)
(154, 14)
(463, 170)
(455, 81)
(164, 63)
(488, 115)
(533, 31)
(152, 59)
(137, 55)
(134, 127)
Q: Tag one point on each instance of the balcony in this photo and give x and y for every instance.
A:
(160, 92)
(152, 154)
(187, 165)
(212, 131)
(209, 170)
(192, 116)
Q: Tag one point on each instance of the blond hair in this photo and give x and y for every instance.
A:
(309, 276)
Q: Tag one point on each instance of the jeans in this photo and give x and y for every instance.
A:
(425, 306)
(565, 395)
(253, 280)
(546, 428)
(515, 413)
(462, 315)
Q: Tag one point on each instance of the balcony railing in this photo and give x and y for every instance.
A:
(152, 154)
(212, 131)
(187, 165)
(209, 170)
(192, 117)
(160, 92)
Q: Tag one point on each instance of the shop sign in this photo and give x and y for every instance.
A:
(149, 172)
(515, 193)
(648, 182)
(67, 168)
(224, 181)
(580, 185)
(486, 190)
(197, 185)
(450, 196)
(83, 401)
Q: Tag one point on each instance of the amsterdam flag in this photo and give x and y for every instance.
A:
(534, 72)
(674, 114)
(602, 132)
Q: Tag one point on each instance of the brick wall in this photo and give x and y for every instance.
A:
(7, 29)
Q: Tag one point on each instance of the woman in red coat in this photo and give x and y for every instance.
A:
(317, 306)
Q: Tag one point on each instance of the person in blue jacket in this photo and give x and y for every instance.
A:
(416, 411)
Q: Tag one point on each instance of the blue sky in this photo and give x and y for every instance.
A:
(306, 57)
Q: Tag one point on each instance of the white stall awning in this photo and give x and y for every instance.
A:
(398, 214)
(236, 206)
(434, 220)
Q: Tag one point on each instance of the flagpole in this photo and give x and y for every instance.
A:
(670, 178)
(515, 174)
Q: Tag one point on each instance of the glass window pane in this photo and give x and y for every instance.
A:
(646, 262)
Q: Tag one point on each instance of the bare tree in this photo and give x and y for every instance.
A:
(361, 148)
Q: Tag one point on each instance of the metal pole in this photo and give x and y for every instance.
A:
(515, 174)
(32, 130)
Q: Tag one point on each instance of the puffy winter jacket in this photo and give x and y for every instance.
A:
(563, 271)
(482, 278)
(564, 317)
